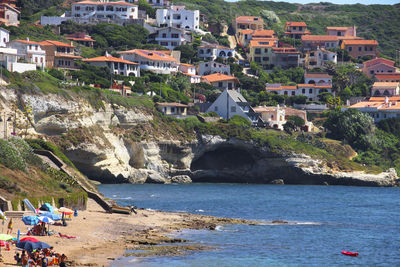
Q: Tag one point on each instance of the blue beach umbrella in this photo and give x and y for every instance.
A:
(31, 246)
(45, 219)
(30, 220)
(53, 216)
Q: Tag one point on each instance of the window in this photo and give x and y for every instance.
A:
(266, 58)
(233, 109)
(350, 48)
(257, 51)
(294, 28)
(164, 35)
(164, 43)
(371, 48)
(371, 72)
(257, 59)
(339, 33)
(172, 109)
(175, 35)
(229, 85)
(300, 28)
(215, 108)
(77, 8)
(36, 60)
(293, 93)
(220, 84)
(310, 91)
(365, 48)
(41, 60)
(303, 91)
(285, 93)
(360, 48)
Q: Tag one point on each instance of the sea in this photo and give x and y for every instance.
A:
(322, 222)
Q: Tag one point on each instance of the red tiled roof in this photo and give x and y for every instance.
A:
(339, 28)
(219, 77)
(378, 60)
(67, 56)
(149, 54)
(360, 42)
(109, 59)
(296, 24)
(262, 43)
(281, 87)
(172, 105)
(388, 76)
(386, 84)
(248, 19)
(55, 43)
(382, 99)
(27, 42)
(285, 50)
(330, 38)
(80, 39)
(120, 3)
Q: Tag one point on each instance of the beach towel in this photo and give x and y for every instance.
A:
(66, 236)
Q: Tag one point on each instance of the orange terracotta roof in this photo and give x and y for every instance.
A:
(27, 42)
(248, 19)
(191, 75)
(360, 42)
(349, 38)
(390, 106)
(378, 60)
(387, 76)
(382, 99)
(339, 28)
(219, 77)
(120, 3)
(109, 59)
(317, 75)
(264, 109)
(285, 50)
(187, 65)
(174, 104)
(55, 43)
(149, 54)
(386, 84)
(280, 87)
(296, 24)
(319, 38)
(216, 46)
(366, 104)
(80, 39)
(262, 43)
(298, 32)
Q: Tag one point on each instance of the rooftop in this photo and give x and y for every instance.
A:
(262, 43)
(173, 104)
(387, 76)
(319, 38)
(278, 86)
(149, 54)
(248, 19)
(218, 77)
(386, 84)
(317, 75)
(55, 43)
(109, 59)
(339, 28)
(296, 24)
(119, 3)
(360, 42)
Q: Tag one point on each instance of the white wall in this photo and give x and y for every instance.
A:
(4, 37)
(220, 107)
(21, 67)
(182, 18)
(206, 68)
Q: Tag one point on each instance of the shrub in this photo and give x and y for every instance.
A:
(239, 121)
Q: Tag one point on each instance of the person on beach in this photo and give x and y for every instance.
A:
(18, 258)
(10, 227)
(63, 260)
(24, 259)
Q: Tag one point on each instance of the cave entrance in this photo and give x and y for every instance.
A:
(223, 158)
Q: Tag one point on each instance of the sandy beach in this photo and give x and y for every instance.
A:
(102, 237)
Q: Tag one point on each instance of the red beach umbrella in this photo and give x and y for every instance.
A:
(32, 239)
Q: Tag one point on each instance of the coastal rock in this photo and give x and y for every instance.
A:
(181, 179)
(277, 181)
(156, 178)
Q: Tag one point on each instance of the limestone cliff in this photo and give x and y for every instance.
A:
(96, 141)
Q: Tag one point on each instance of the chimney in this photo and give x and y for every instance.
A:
(71, 43)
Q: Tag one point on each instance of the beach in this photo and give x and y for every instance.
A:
(101, 237)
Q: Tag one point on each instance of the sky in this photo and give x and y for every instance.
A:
(364, 2)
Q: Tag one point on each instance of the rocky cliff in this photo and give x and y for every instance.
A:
(96, 141)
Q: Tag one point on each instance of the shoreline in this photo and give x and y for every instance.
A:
(103, 237)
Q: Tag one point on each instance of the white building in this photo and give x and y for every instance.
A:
(311, 91)
(221, 81)
(212, 51)
(318, 78)
(230, 103)
(116, 65)
(379, 108)
(155, 61)
(190, 71)
(385, 89)
(104, 10)
(210, 67)
(172, 37)
(9, 60)
(30, 51)
(4, 37)
(318, 58)
(178, 17)
(155, 3)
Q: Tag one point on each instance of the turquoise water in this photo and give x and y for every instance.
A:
(324, 220)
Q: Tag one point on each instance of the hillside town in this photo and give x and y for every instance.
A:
(247, 45)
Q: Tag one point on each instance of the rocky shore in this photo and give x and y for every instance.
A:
(95, 142)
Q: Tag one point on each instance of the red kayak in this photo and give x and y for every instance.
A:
(348, 253)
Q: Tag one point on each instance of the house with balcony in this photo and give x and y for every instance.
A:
(295, 29)
(9, 13)
(285, 57)
(178, 17)
(378, 66)
(221, 81)
(155, 61)
(342, 31)
(59, 55)
(360, 48)
(116, 65)
(212, 51)
(388, 77)
(248, 23)
(385, 89)
(30, 51)
(318, 78)
(318, 58)
(230, 103)
(9, 60)
(210, 67)
(171, 37)
(311, 91)
(82, 39)
(245, 36)
(154, 3)
(102, 11)
(379, 108)
(312, 42)
(260, 51)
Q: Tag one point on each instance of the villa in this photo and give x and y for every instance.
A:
(378, 66)
(342, 31)
(360, 48)
(245, 36)
(82, 39)
(379, 108)
(178, 17)
(210, 67)
(30, 51)
(212, 51)
(59, 55)
(190, 71)
(154, 61)
(388, 77)
(221, 81)
(175, 109)
(385, 89)
(248, 22)
(312, 42)
(116, 65)
(9, 13)
(296, 30)
(171, 37)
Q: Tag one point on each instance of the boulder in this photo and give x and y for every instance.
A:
(155, 178)
(277, 181)
(181, 179)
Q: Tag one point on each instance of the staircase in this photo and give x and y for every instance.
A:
(90, 189)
